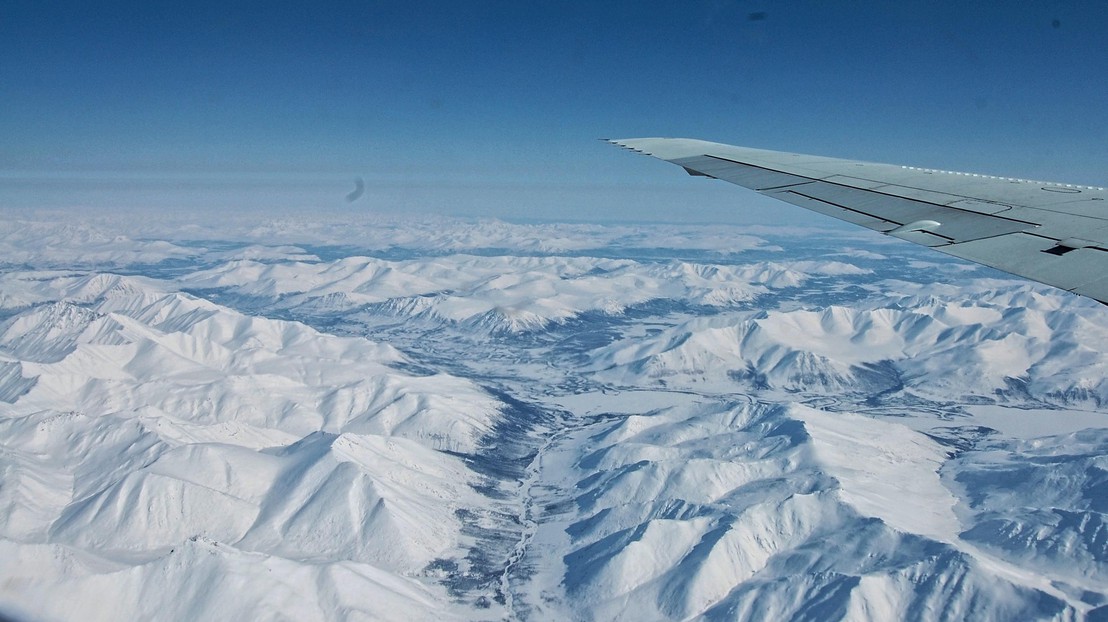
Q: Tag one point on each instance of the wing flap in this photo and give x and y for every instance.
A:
(1083, 271)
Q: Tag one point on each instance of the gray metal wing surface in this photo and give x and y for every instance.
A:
(1048, 232)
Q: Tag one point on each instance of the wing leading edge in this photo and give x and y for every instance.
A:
(1052, 233)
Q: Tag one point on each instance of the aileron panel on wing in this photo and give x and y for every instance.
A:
(745, 175)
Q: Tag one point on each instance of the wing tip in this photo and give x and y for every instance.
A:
(630, 144)
(664, 148)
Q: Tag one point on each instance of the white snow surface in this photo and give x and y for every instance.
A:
(48, 242)
(1007, 342)
(251, 421)
(116, 231)
(502, 293)
(155, 442)
(713, 511)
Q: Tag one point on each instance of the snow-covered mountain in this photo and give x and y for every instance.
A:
(757, 511)
(512, 293)
(148, 431)
(485, 421)
(79, 244)
(1011, 344)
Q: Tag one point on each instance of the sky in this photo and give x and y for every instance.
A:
(493, 109)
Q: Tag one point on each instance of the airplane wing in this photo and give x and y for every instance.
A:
(1052, 233)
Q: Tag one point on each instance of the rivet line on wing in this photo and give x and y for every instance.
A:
(1013, 179)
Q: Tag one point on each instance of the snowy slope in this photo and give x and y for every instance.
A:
(972, 538)
(501, 293)
(1009, 344)
(671, 427)
(744, 510)
(151, 431)
(50, 243)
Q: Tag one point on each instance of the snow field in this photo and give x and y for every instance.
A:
(160, 440)
(532, 435)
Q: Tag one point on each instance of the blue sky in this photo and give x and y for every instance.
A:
(494, 108)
